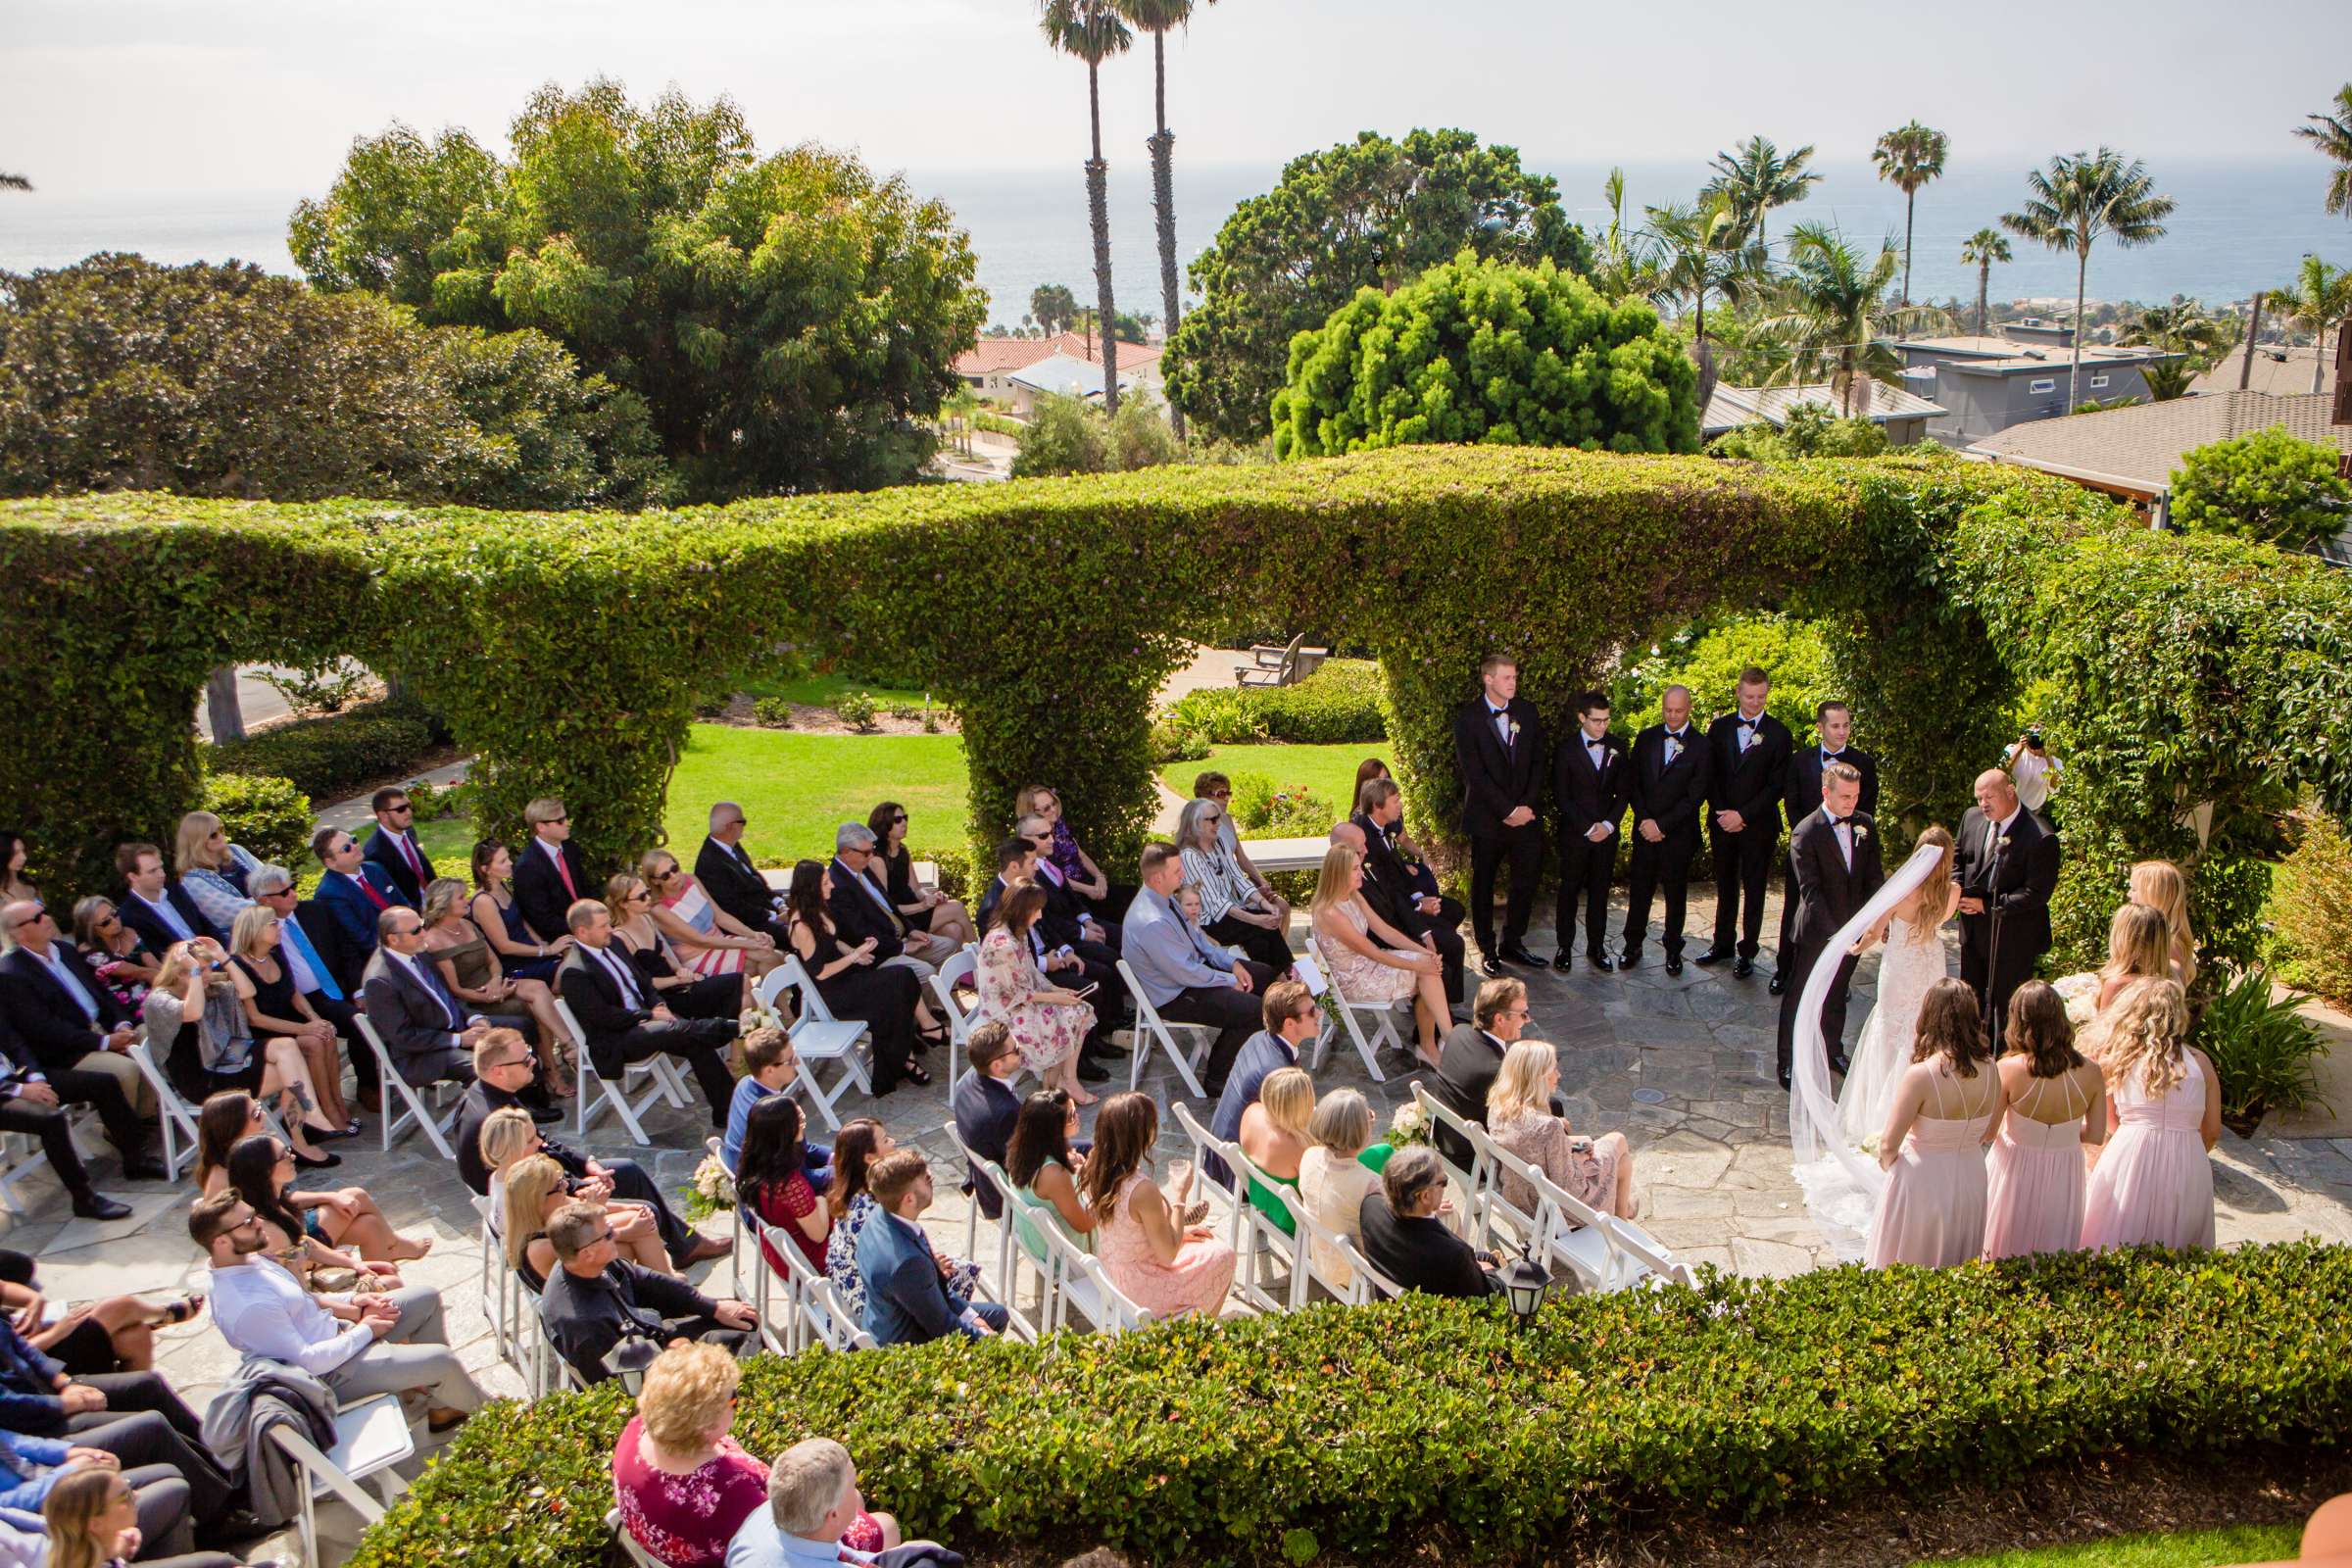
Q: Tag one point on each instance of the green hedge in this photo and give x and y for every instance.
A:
(1423, 1423)
(332, 756)
(268, 817)
(1338, 702)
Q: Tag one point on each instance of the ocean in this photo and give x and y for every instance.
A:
(2238, 226)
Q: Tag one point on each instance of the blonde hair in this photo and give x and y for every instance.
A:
(188, 850)
(1341, 1123)
(246, 931)
(1289, 1098)
(2146, 1031)
(443, 897)
(528, 1185)
(1332, 883)
(650, 864)
(618, 888)
(1923, 912)
(688, 1391)
(2163, 887)
(505, 1135)
(1518, 1088)
(2139, 945)
(179, 963)
(546, 809)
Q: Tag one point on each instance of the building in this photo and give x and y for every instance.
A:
(2282, 373)
(988, 366)
(1060, 375)
(1989, 384)
(1903, 416)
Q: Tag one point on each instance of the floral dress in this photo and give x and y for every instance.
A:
(841, 1260)
(1046, 1032)
(688, 1520)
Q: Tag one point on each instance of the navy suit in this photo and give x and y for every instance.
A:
(907, 1301)
(152, 930)
(985, 1110)
(1265, 1055)
(381, 851)
(56, 1028)
(352, 912)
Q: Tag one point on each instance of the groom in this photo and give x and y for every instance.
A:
(1835, 856)
(2006, 859)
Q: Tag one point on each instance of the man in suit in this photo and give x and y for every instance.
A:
(1748, 763)
(154, 906)
(1668, 791)
(1588, 781)
(31, 1103)
(1498, 746)
(319, 963)
(906, 1298)
(425, 1030)
(1834, 728)
(1469, 1057)
(985, 1106)
(1188, 978)
(549, 878)
(351, 893)
(1406, 1239)
(726, 872)
(394, 846)
(1069, 918)
(73, 1025)
(2006, 863)
(1422, 912)
(1836, 855)
(1291, 1019)
(861, 910)
(594, 1301)
(616, 1009)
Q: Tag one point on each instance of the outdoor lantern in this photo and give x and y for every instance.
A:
(628, 1360)
(1525, 1286)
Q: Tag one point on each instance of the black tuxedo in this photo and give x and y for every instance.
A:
(1802, 798)
(737, 886)
(1497, 778)
(1385, 868)
(540, 896)
(622, 1029)
(2021, 885)
(158, 936)
(379, 850)
(1587, 794)
(1748, 780)
(1673, 794)
(1829, 893)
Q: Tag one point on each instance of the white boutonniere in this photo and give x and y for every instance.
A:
(1514, 727)
(1860, 833)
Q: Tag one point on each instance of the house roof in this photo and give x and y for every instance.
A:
(2136, 448)
(1734, 406)
(2001, 356)
(1001, 356)
(1067, 375)
(2282, 373)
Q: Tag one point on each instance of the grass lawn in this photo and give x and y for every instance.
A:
(1328, 770)
(2190, 1548)
(823, 690)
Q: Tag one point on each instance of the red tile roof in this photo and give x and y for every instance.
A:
(1000, 356)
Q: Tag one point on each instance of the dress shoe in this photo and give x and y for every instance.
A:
(372, 1103)
(239, 1527)
(545, 1114)
(1516, 952)
(1744, 969)
(1783, 1083)
(1092, 1072)
(1563, 960)
(1713, 955)
(704, 1248)
(1674, 965)
(323, 1162)
(145, 1170)
(1628, 957)
(97, 1206)
(1106, 1051)
(1779, 986)
(1492, 968)
(1601, 961)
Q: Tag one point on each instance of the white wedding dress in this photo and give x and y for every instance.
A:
(1907, 967)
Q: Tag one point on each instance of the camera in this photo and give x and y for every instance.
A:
(2033, 737)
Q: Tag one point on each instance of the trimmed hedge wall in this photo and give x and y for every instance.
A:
(1376, 1429)
(329, 756)
(1338, 702)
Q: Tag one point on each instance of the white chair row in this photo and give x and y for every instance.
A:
(1258, 1242)
(812, 1313)
(1029, 1236)
(371, 1436)
(1368, 1025)
(819, 1037)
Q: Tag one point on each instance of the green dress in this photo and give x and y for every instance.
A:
(1263, 1199)
(1038, 1210)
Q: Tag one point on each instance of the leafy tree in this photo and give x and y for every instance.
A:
(1371, 213)
(1156, 18)
(1836, 317)
(1981, 249)
(1485, 352)
(2319, 296)
(1910, 156)
(2269, 486)
(2331, 136)
(1811, 430)
(2167, 379)
(1054, 307)
(1069, 435)
(2181, 326)
(1093, 31)
(1700, 250)
(1757, 179)
(786, 319)
(2078, 200)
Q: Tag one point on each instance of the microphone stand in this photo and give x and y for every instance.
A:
(1992, 963)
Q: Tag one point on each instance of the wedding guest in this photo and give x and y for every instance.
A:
(1339, 1169)
(707, 938)
(1216, 789)
(13, 851)
(1274, 1136)
(773, 1183)
(2057, 1103)
(527, 1185)
(274, 1010)
(1043, 1165)
(57, 1008)
(925, 909)
(470, 969)
(1370, 960)
(197, 1027)
(2155, 1180)
(985, 1106)
(683, 1484)
(1598, 1172)
(157, 908)
(594, 1301)
(1590, 785)
(1391, 859)
(907, 1300)
(1748, 765)
(549, 878)
(861, 909)
(2161, 886)
(1159, 1263)
(1089, 880)
(1833, 730)
(625, 1022)
(2007, 860)
(1047, 1022)
(324, 972)
(849, 980)
(1931, 1209)
(1291, 1019)
(261, 1170)
(815, 1515)
(352, 894)
(1500, 750)
(1667, 788)
(394, 844)
(770, 1066)
(426, 1035)
(344, 1217)
(521, 954)
(1406, 1239)
(31, 1105)
(1235, 912)
(857, 1149)
(1069, 937)
(1470, 1057)
(2139, 947)
(212, 870)
(100, 1515)
(123, 964)
(1186, 977)
(725, 995)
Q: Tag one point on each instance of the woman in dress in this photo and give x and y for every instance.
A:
(1048, 1023)
(14, 889)
(850, 1204)
(196, 1026)
(2057, 1103)
(471, 969)
(772, 1181)
(210, 869)
(2164, 1109)
(850, 982)
(123, 962)
(1077, 868)
(1912, 961)
(1159, 1263)
(346, 1216)
(1042, 1169)
(495, 917)
(1931, 1209)
(274, 1010)
(2139, 947)
(1274, 1134)
(924, 911)
(707, 939)
(1598, 1172)
(683, 1485)
(681, 990)
(1340, 1168)
(2161, 886)
(1237, 911)
(1388, 969)
(261, 1170)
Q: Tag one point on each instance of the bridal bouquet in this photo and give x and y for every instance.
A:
(714, 1189)
(1409, 1125)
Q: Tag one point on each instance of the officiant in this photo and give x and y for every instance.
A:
(2007, 869)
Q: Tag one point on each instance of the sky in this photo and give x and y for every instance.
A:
(115, 97)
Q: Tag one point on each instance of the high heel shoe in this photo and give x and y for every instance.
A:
(323, 1162)
(915, 1075)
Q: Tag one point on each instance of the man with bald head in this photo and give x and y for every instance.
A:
(2007, 867)
(1669, 790)
(725, 871)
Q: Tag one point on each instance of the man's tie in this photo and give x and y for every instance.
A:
(408, 848)
(377, 899)
(563, 870)
(431, 976)
(630, 996)
(311, 959)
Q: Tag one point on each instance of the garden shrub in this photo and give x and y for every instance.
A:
(1439, 1426)
(2311, 909)
(773, 712)
(335, 755)
(1338, 702)
(268, 817)
(2270, 485)
(2264, 1051)
(1264, 809)
(1708, 655)
(855, 709)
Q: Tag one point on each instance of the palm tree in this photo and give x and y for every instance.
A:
(2167, 379)
(2078, 199)
(1625, 262)
(2181, 327)
(1757, 179)
(1157, 17)
(1910, 157)
(1093, 31)
(2330, 135)
(2320, 296)
(1981, 249)
(1834, 315)
(1699, 252)
(15, 182)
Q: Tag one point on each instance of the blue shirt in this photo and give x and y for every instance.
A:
(1166, 953)
(761, 1544)
(27, 1469)
(816, 1159)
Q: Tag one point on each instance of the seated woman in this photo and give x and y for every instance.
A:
(121, 960)
(1042, 1169)
(1237, 910)
(1598, 1172)
(927, 911)
(1047, 1022)
(882, 996)
(850, 1203)
(1370, 960)
(683, 1486)
(519, 953)
(113, 1333)
(210, 869)
(343, 1216)
(1274, 1136)
(530, 1189)
(1108, 898)
(510, 1138)
(261, 1171)
(1159, 1263)
(471, 969)
(274, 1010)
(707, 938)
(771, 1181)
(2161, 886)
(197, 1027)
(14, 889)
(1340, 1167)
(688, 995)
(102, 1516)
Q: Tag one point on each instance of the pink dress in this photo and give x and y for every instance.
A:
(1585, 1170)
(2033, 1196)
(1932, 1211)
(2154, 1183)
(1046, 1032)
(693, 906)
(1197, 1281)
(1362, 978)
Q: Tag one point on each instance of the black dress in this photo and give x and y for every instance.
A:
(274, 998)
(880, 997)
(710, 995)
(899, 887)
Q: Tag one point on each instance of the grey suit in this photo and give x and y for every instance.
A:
(418, 1024)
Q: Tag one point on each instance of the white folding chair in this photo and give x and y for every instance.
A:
(818, 1036)
(370, 1437)
(1664, 1268)
(1150, 1029)
(1472, 1183)
(1013, 1212)
(1261, 1238)
(395, 1122)
(1081, 1282)
(176, 1117)
(1307, 1269)
(595, 1094)
(1557, 1228)
(1351, 1017)
(637, 1555)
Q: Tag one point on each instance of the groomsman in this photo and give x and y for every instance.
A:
(1750, 765)
(2003, 860)
(1667, 785)
(1588, 780)
(1498, 746)
(1833, 727)
(1835, 854)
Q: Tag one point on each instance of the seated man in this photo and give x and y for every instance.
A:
(986, 1104)
(725, 871)
(427, 1035)
(31, 1103)
(1469, 1057)
(623, 1021)
(357, 1346)
(1292, 1020)
(1186, 977)
(310, 956)
(502, 1068)
(154, 906)
(73, 1024)
(595, 1301)
(862, 909)
(906, 1298)
(1425, 912)
(770, 1066)
(1406, 1239)
(813, 1500)
(351, 893)
(549, 878)
(1067, 918)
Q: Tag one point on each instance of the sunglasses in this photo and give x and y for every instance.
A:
(900, 818)
(40, 913)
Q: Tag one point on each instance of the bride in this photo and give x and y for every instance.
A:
(1913, 932)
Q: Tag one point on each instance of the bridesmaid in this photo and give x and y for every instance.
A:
(2139, 947)
(2034, 1195)
(1157, 1261)
(2155, 1181)
(1932, 1211)
(2160, 885)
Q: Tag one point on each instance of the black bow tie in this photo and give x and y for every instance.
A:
(1834, 821)
(1831, 757)
(1752, 723)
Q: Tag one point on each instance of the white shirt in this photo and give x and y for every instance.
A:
(1674, 742)
(2000, 828)
(297, 967)
(2034, 772)
(618, 967)
(1502, 722)
(263, 1311)
(168, 916)
(56, 962)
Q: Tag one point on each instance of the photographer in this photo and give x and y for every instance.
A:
(2035, 771)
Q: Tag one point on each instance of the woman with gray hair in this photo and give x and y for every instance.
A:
(1339, 1169)
(1232, 909)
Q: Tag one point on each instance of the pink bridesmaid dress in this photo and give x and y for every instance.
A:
(2155, 1181)
(1932, 1211)
(1197, 1281)
(2034, 1178)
